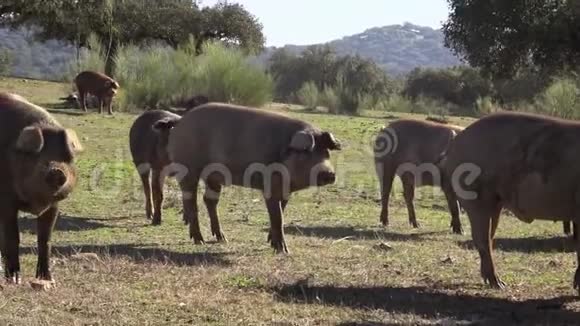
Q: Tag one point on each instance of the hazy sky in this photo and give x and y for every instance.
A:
(314, 21)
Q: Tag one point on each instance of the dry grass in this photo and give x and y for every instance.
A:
(337, 272)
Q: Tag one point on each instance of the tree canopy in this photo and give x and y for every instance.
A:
(320, 64)
(502, 37)
(118, 22)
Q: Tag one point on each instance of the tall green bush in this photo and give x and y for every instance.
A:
(308, 95)
(561, 98)
(157, 76)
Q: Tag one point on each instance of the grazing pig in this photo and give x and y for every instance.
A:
(411, 149)
(148, 143)
(37, 172)
(101, 86)
(234, 145)
(525, 163)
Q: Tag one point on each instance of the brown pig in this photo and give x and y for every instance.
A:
(525, 163)
(100, 85)
(37, 172)
(148, 144)
(411, 149)
(224, 144)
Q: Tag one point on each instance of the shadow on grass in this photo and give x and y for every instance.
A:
(65, 223)
(431, 304)
(139, 254)
(528, 244)
(339, 232)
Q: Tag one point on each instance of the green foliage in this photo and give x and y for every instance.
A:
(561, 99)
(329, 99)
(5, 62)
(459, 86)
(396, 103)
(155, 76)
(524, 86)
(319, 64)
(503, 36)
(308, 95)
(485, 105)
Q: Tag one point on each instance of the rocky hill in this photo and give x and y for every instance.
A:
(396, 48)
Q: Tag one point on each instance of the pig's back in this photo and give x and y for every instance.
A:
(232, 135)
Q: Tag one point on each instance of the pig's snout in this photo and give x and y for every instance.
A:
(326, 177)
(56, 178)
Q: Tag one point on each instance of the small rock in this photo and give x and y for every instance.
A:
(383, 246)
(448, 260)
(42, 285)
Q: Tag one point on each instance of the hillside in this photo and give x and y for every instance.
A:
(396, 48)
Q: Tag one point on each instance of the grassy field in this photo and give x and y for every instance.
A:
(113, 268)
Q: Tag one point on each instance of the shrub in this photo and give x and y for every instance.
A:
(308, 95)
(156, 76)
(485, 105)
(396, 103)
(5, 62)
(561, 98)
(329, 99)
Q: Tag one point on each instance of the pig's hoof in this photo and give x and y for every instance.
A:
(457, 230)
(221, 238)
(14, 279)
(495, 282)
(198, 241)
(280, 247)
(415, 224)
(156, 222)
(577, 280)
(385, 222)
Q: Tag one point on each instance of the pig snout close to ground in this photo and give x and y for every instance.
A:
(148, 138)
(411, 149)
(37, 172)
(525, 163)
(225, 144)
(103, 87)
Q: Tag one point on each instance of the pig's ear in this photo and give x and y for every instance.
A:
(73, 141)
(302, 141)
(30, 140)
(327, 140)
(164, 124)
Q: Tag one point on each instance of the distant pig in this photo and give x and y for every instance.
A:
(103, 87)
(225, 144)
(37, 172)
(148, 143)
(411, 149)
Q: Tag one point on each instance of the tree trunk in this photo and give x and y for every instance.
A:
(110, 59)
